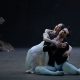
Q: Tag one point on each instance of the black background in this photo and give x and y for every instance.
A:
(25, 20)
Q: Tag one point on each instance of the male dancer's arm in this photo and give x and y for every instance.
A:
(68, 52)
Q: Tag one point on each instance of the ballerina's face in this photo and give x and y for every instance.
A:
(58, 27)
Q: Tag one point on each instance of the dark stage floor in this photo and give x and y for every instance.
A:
(12, 66)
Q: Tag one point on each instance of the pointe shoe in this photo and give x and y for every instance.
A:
(29, 71)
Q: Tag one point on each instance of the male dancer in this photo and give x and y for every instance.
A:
(51, 70)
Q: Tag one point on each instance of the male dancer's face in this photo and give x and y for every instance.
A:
(63, 33)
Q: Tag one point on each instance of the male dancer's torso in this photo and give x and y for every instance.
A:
(55, 54)
(59, 58)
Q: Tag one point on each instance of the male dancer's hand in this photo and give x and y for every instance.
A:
(65, 55)
(63, 45)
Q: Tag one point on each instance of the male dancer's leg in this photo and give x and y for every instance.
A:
(44, 71)
(70, 69)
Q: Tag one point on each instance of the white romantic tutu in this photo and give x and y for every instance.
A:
(36, 56)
